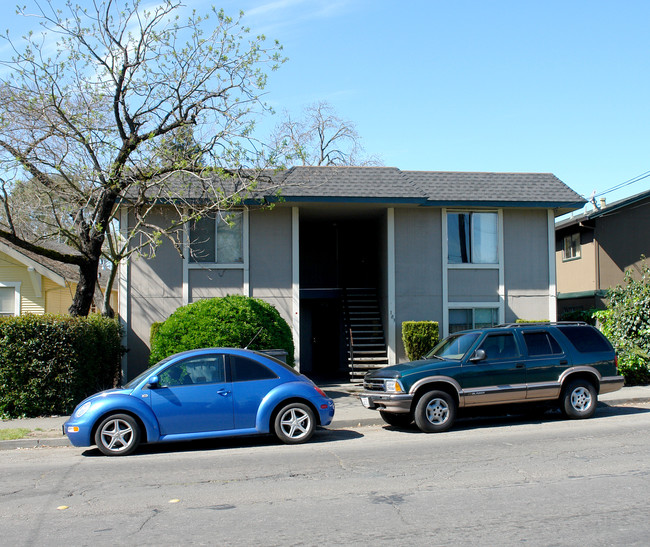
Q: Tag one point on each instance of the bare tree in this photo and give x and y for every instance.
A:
(114, 104)
(319, 137)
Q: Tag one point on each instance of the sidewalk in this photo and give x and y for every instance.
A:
(47, 431)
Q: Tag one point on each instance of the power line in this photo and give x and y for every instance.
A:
(624, 184)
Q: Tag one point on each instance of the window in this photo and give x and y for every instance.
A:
(217, 240)
(500, 346)
(245, 370)
(541, 343)
(472, 318)
(571, 247)
(9, 299)
(472, 238)
(206, 369)
(586, 339)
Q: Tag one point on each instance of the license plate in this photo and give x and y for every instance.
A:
(365, 401)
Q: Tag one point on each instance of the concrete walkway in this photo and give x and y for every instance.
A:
(47, 431)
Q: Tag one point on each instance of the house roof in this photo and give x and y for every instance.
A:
(428, 188)
(351, 184)
(58, 272)
(611, 208)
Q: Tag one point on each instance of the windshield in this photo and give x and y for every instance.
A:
(142, 375)
(454, 346)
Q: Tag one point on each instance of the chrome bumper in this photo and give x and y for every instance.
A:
(397, 402)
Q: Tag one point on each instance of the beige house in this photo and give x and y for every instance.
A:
(30, 283)
(594, 249)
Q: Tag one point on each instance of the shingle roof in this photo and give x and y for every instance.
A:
(389, 185)
(69, 272)
(444, 187)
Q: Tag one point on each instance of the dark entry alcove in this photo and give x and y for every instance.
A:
(337, 253)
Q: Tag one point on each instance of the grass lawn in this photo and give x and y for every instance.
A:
(11, 434)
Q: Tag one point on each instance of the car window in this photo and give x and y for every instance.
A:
(245, 370)
(201, 369)
(500, 346)
(454, 346)
(541, 343)
(586, 339)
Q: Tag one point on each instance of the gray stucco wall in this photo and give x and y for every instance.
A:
(270, 258)
(156, 288)
(526, 264)
(418, 268)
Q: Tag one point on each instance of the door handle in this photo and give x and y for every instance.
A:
(564, 362)
(520, 365)
(223, 392)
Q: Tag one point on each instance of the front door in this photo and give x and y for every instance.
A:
(193, 396)
(500, 377)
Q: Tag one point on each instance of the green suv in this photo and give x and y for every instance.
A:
(565, 364)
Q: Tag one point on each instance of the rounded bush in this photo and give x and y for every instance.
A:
(232, 321)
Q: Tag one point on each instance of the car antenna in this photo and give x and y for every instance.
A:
(253, 339)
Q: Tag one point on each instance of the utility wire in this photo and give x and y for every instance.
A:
(624, 184)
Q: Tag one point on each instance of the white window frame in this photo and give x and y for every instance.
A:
(244, 265)
(473, 306)
(499, 304)
(16, 287)
(578, 247)
(217, 264)
(473, 265)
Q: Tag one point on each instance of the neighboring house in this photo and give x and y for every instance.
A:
(350, 253)
(595, 248)
(30, 283)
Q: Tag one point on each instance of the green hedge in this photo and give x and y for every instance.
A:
(419, 337)
(49, 363)
(231, 321)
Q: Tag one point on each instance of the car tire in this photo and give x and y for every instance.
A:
(435, 412)
(396, 419)
(294, 423)
(118, 435)
(579, 399)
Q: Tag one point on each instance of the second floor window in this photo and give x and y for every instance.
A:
(571, 247)
(472, 238)
(217, 240)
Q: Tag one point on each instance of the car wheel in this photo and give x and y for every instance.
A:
(435, 412)
(295, 423)
(118, 435)
(579, 399)
(395, 419)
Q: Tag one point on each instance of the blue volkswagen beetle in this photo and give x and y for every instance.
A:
(202, 394)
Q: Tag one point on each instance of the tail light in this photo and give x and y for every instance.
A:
(320, 391)
(616, 361)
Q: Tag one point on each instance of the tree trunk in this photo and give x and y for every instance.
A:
(84, 296)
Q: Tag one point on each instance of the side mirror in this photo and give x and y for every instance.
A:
(479, 355)
(153, 381)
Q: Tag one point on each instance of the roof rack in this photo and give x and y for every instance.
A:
(542, 323)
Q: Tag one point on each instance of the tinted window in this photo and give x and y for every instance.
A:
(500, 346)
(245, 370)
(586, 339)
(541, 343)
(204, 369)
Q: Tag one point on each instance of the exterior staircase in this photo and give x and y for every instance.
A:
(366, 343)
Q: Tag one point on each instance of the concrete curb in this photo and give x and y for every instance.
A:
(370, 418)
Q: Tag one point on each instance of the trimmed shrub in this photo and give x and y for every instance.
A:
(532, 321)
(49, 363)
(232, 321)
(419, 337)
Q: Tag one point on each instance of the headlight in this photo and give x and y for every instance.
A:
(82, 410)
(393, 386)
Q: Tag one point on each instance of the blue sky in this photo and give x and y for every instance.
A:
(472, 85)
